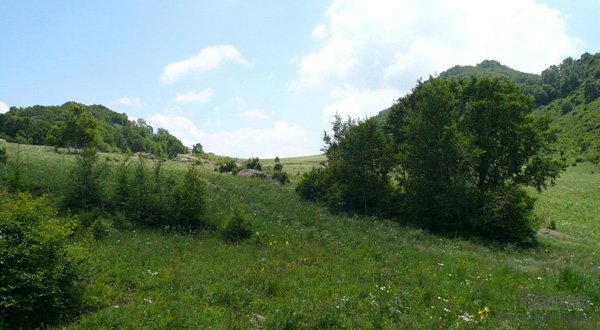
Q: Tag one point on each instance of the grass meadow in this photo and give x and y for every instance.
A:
(305, 267)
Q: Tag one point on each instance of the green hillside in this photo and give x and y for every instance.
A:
(567, 93)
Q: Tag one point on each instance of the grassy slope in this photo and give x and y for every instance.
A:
(308, 268)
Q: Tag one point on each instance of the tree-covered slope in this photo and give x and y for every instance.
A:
(116, 132)
(567, 93)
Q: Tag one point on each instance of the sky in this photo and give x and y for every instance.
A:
(265, 78)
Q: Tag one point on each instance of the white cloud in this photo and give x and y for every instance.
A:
(209, 58)
(195, 97)
(3, 107)
(320, 31)
(256, 114)
(128, 101)
(234, 102)
(358, 103)
(281, 139)
(371, 46)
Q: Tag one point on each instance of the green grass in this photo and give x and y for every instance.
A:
(307, 268)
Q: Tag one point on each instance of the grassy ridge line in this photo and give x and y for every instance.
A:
(332, 270)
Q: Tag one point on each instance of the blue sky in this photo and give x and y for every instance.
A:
(263, 78)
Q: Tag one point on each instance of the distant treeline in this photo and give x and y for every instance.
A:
(557, 81)
(111, 131)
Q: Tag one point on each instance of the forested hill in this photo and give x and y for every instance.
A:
(112, 131)
(568, 93)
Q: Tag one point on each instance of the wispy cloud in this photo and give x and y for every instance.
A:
(3, 107)
(280, 139)
(195, 97)
(129, 101)
(372, 47)
(256, 114)
(209, 58)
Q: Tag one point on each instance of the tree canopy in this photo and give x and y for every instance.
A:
(454, 158)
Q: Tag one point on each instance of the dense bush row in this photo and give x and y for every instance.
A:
(453, 158)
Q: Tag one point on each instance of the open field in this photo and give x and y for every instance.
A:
(307, 268)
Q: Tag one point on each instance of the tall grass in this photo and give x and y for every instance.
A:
(304, 267)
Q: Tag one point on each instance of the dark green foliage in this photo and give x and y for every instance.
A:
(314, 184)
(278, 167)
(84, 188)
(254, 164)
(237, 226)
(505, 215)
(41, 277)
(96, 124)
(100, 228)
(464, 149)
(356, 176)
(190, 201)
(197, 148)
(227, 167)
(3, 156)
(154, 199)
(281, 177)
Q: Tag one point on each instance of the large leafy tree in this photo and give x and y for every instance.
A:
(77, 130)
(465, 149)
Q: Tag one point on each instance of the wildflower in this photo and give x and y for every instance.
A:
(466, 317)
(484, 312)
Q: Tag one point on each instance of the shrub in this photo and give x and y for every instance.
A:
(237, 227)
(227, 167)
(41, 277)
(278, 167)
(506, 216)
(84, 190)
(190, 201)
(314, 184)
(3, 155)
(254, 164)
(281, 176)
(100, 228)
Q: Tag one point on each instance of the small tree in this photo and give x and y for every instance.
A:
(254, 164)
(84, 189)
(190, 199)
(197, 149)
(41, 278)
(77, 130)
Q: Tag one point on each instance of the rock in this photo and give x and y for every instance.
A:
(255, 174)
(187, 157)
(146, 155)
(553, 233)
(257, 319)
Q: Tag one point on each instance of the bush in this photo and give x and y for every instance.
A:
(190, 201)
(3, 155)
(506, 216)
(84, 190)
(41, 277)
(281, 176)
(100, 228)
(314, 184)
(227, 167)
(237, 227)
(254, 164)
(278, 167)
